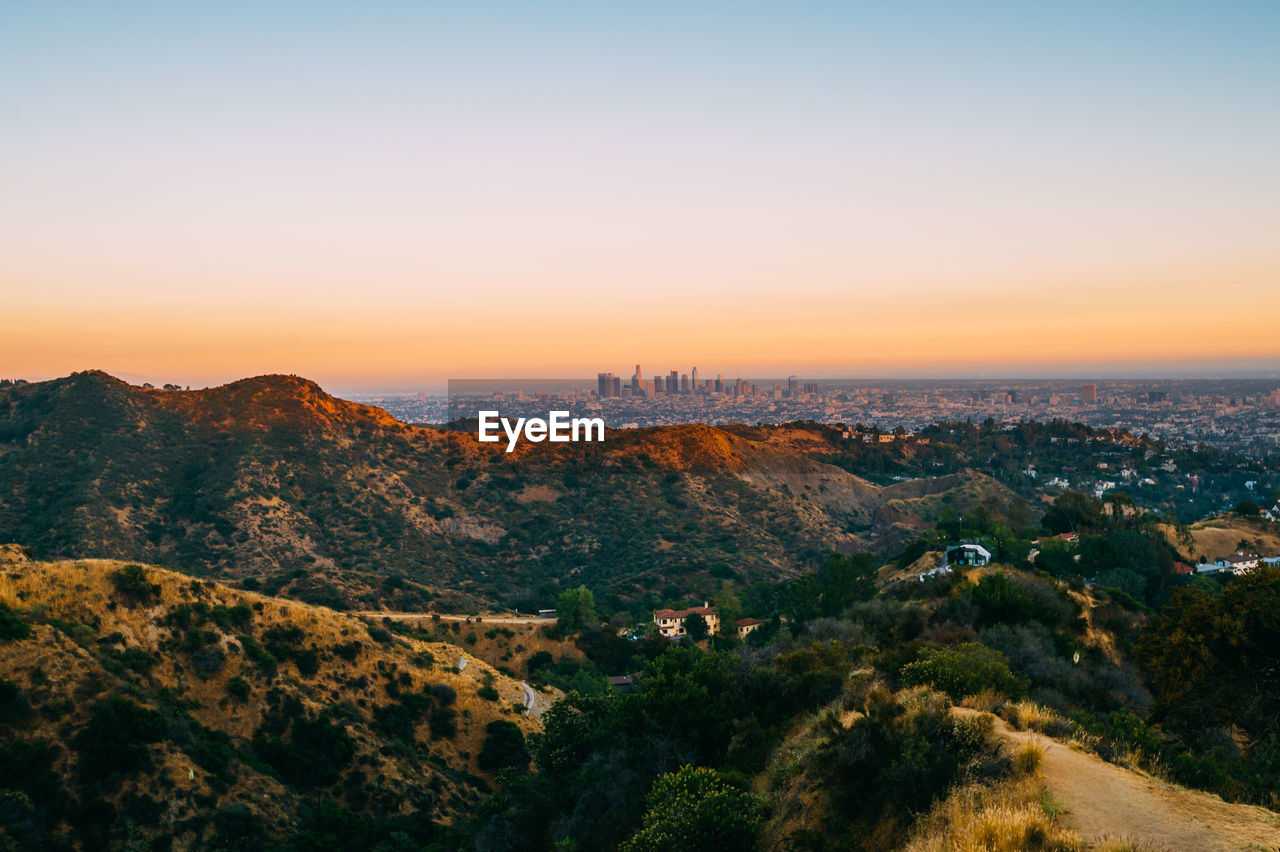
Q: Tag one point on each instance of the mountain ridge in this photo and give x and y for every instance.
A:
(271, 478)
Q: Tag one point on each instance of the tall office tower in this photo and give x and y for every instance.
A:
(693, 379)
(673, 382)
(1013, 397)
(615, 385)
(720, 383)
(602, 384)
(637, 382)
(738, 387)
(1090, 393)
(793, 387)
(684, 383)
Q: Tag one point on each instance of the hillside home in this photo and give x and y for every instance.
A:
(746, 626)
(971, 555)
(1239, 562)
(671, 622)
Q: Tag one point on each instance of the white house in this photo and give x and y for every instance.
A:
(973, 555)
(1239, 562)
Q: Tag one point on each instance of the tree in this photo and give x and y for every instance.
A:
(696, 626)
(504, 747)
(968, 670)
(1212, 659)
(575, 608)
(1247, 509)
(116, 737)
(728, 606)
(802, 598)
(1071, 512)
(133, 582)
(695, 809)
(846, 580)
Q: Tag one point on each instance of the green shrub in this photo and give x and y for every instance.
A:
(132, 582)
(968, 670)
(116, 737)
(348, 651)
(443, 722)
(208, 661)
(212, 751)
(902, 753)
(307, 661)
(239, 688)
(259, 655)
(504, 747)
(12, 626)
(227, 617)
(13, 704)
(695, 809)
(1002, 599)
(27, 765)
(314, 754)
(136, 659)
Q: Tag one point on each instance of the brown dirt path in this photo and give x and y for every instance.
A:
(1108, 802)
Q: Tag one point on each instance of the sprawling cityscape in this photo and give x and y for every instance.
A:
(1243, 414)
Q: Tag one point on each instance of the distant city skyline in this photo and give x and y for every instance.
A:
(392, 194)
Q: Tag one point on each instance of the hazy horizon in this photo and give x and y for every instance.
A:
(1064, 374)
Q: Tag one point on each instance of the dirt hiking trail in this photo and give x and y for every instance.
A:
(1103, 801)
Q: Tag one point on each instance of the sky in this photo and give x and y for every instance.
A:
(389, 195)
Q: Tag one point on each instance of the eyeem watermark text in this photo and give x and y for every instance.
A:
(558, 428)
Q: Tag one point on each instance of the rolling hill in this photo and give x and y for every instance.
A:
(272, 481)
(140, 705)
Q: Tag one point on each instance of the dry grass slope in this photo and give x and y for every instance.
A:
(83, 626)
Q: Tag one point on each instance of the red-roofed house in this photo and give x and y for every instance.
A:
(746, 626)
(671, 621)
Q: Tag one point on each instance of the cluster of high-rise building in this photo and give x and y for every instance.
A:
(1243, 414)
(674, 383)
